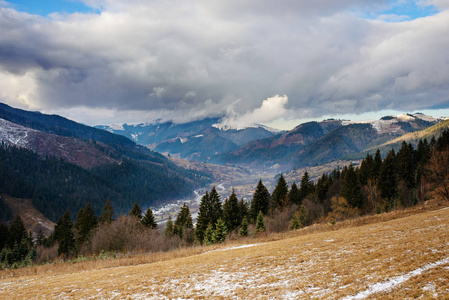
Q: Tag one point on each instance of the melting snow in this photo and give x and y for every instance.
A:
(395, 281)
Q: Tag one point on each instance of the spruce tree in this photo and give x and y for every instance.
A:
(377, 165)
(231, 213)
(220, 232)
(306, 187)
(280, 193)
(244, 227)
(108, 215)
(243, 210)
(351, 189)
(387, 177)
(4, 235)
(209, 212)
(40, 238)
(202, 220)
(366, 169)
(183, 221)
(260, 201)
(85, 222)
(148, 220)
(209, 235)
(322, 186)
(405, 165)
(136, 211)
(294, 195)
(17, 232)
(64, 234)
(260, 223)
(169, 228)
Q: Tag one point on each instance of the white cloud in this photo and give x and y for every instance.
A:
(190, 59)
(272, 108)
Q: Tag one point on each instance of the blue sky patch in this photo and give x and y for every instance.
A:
(403, 10)
(46, 7)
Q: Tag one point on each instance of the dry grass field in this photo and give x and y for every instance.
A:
(404, 254)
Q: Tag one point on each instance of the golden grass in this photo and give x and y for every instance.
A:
(323, 261)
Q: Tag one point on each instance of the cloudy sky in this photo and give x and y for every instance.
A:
(262, 61)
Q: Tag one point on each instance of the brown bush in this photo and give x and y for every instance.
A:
(280, 221)
(127, 234)
(45, 254)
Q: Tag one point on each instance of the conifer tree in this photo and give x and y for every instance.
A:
(260, 223)
(169, 228)
(136, 211)
(377, 165)
(306, 187)
(183, 221)
(209, 235)
(17, 232)
(64, 234)
(85, 222)
(209, 212)
(280, 193)
(244, 227)
(243, 210)
(148, 220)
(108, 215)
(405, 165)
(366, 169)
(231, 213)
(294, 195)
(260, 202)
(387, 177)
(220, 232)
(351, 189)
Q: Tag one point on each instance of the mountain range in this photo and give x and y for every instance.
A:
(308, 144)
(198, 140)
(60, 164)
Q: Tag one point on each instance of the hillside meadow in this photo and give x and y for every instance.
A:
(402, 254)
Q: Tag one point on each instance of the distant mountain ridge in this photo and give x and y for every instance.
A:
(315, 143)
(197, 140)
(60, 164)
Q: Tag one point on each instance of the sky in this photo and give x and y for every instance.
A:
(278, 63)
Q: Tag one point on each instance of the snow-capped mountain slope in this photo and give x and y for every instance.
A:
(196, 140)
(86, 155)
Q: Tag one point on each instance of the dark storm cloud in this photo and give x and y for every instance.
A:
(192, 59)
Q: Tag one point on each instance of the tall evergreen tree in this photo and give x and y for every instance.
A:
(293, 195)
(17, 232)
(220, 232)
(64, 234)
(322, 186)
(136, 211)
(260, 223)
(148, 220)
(244, 227)
(366, 169)
(209, 212)
(85, 222)
(377, 165)
(351, 189)
(243, 210)
(108, 215)
(387, 177)
(280, 193)
(260, 202)
(183, 221)
(231, 213)
(306, 187)
(169, 232)
(405, 165)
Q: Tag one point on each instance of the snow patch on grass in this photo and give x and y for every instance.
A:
(395, 281)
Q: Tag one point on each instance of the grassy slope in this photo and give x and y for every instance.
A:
(325, 261)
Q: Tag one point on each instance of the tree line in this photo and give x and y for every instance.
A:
(377, 185)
